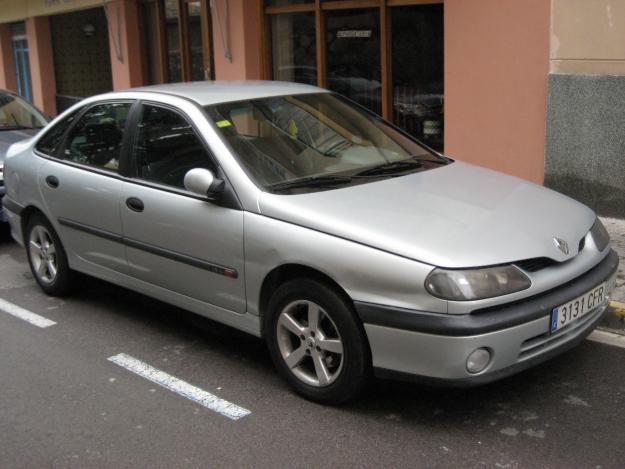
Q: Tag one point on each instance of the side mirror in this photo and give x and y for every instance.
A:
(202, 182)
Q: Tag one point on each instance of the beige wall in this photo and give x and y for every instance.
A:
(41, 63)
(588, 36)
(242, 34)
(126, 62)
(496, 67)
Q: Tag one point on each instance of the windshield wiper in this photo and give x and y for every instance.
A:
(390, 168)
(397, 167)
(312, 181)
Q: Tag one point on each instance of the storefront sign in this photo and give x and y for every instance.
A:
(354, 33)
(62, 5)
(18, 10)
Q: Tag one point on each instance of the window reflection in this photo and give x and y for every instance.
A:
(195, 42)
(172, 19)
(353, 55)
(417, 51)
(294, 47)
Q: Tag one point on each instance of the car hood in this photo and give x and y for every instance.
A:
(458, 215)
(9, 137)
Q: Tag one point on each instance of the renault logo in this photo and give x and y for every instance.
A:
(562, 245)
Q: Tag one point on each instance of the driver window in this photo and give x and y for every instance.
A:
(167, 147)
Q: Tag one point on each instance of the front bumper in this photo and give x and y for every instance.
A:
(434, 347)
(3, 216)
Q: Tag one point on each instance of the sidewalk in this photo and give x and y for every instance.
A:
(616, 228)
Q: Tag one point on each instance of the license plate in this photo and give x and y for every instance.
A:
(575, 309)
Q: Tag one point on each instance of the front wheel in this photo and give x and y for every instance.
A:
(316, 342)
(47, 258)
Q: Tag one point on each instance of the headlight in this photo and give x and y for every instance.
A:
(476, 284)
(600, 235)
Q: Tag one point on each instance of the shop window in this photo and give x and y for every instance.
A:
(172, 19)
(353, 56)
(177, 39)
(196, 52)
(294, 47)
(417, 71)
(388, 58)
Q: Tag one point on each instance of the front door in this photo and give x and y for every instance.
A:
(82, 188)
(174, 239)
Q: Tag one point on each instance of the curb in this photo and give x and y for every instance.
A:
(617, 308)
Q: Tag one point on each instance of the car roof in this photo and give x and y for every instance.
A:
(215, 92)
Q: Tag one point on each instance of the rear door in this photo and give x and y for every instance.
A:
(81, 185)
(175, 239)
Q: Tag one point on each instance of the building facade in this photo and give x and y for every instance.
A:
(528, 87)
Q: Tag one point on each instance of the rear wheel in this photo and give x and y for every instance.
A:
(46, 256)
(316, 343)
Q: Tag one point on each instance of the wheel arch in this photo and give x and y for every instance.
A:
(28, 212)
(285, 272)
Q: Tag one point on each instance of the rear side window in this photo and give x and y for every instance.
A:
(167, 147)
(51, 142)
(96, 139)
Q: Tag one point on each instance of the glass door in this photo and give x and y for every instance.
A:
(22, 65)
(417, 71)
(177, 40)
(353, 55)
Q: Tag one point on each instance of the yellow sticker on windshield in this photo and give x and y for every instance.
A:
(223, 123)
(293, 130)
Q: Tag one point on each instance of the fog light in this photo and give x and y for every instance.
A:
(478, 359)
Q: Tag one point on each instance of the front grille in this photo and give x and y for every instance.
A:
(535, 264)
(539, 263)
(539, 343)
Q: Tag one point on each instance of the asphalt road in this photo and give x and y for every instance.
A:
(63, 404)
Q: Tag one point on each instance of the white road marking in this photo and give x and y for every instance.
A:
(609, 338)
(25, 315)
(204, 398)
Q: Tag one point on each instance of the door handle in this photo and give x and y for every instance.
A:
(52, 181)
(134, 204)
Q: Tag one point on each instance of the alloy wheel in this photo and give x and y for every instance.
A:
(43, 254)
(310, 343)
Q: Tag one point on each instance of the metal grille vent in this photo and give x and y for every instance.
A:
(535, 264)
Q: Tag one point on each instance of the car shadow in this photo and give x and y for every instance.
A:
(5, 234)
(384, 399)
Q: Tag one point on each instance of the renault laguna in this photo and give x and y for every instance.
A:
(291, 213)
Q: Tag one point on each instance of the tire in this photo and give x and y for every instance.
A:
(329, 362)
(47, 257)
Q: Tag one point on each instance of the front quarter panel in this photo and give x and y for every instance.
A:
(365, 273)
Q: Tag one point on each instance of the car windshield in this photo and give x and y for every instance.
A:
(316, 139)
(16, 113)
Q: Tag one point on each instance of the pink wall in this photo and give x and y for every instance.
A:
(41, 63)
(496, 67)
(126, 69)
(8, 77)
(243, 32)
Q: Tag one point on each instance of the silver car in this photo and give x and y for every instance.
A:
(289, 212)
(19, 120)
